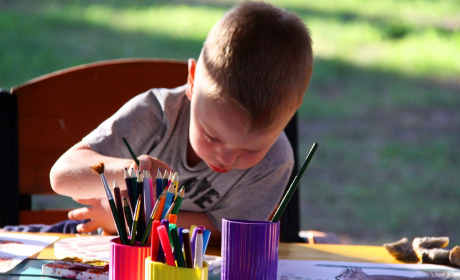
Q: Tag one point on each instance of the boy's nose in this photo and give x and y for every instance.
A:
(226, 155)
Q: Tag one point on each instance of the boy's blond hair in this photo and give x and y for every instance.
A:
(259, 59)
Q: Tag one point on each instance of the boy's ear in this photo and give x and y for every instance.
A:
(190, 78)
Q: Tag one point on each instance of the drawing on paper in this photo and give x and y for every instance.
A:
(322, 270)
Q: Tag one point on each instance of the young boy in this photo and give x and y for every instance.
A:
(222, 132)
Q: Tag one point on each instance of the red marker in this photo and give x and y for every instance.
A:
(166, 244)
(155, 241)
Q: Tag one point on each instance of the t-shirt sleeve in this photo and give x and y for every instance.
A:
(259, 191)
(140, 121)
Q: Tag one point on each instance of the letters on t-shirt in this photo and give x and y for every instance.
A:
(198, 188)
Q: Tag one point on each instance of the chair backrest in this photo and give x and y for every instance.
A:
(57, 110)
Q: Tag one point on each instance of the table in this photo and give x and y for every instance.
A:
(31, 268)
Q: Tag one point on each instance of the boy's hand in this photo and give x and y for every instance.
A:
(100, 213)
(150, 163)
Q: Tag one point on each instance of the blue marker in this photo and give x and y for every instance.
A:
(206, 236)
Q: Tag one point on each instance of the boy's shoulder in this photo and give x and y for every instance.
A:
(279, 154)
(157, 101)
(166, 95)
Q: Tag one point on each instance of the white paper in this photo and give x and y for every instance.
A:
(325, 270)
(14, 248)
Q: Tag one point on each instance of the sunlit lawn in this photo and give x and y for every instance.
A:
(383, 102)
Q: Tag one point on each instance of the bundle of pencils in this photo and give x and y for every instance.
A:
(160, 208)
(136, 224)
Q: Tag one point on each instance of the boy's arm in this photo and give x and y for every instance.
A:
(186, 219)
(71, 174)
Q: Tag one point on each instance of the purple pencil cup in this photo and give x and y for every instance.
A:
(249, 250)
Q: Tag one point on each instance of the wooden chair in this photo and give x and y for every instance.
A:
(44, 117)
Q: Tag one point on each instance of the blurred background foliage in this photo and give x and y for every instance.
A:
(383, 102)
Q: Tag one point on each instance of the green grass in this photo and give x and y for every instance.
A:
(383, 100)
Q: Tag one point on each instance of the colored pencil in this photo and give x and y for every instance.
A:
(131, 151)
(165, 180)
(159, 183)
(153, 191)
(178, 201)
(147, 197)
(119, 205)
(99, 169)
(136, 219)
(171, 174)
(293, 186)
(140, 190)
(168, 212)
(159, 212)
(149, 225)
(169, 199)
(175, 180)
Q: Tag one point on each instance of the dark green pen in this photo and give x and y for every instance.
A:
(177, 246)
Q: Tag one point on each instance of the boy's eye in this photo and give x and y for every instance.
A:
(210, 138)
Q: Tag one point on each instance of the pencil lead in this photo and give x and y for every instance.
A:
(139, 177)
(159, 174)
(175, 177)
(166, 175)
(171, 188)
(132, 173)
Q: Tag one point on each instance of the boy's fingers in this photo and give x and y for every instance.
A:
(80, 214)
(144, 163)
(132, 166)
(86, 201)
(87, 227)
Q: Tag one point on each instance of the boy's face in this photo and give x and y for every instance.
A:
(217, 132)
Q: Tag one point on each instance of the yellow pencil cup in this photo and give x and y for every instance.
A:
(161, 271)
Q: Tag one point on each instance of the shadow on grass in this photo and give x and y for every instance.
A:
(388, 157)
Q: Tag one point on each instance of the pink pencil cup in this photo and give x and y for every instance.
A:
(127, 262)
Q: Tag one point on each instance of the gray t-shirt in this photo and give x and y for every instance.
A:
(156, 123)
